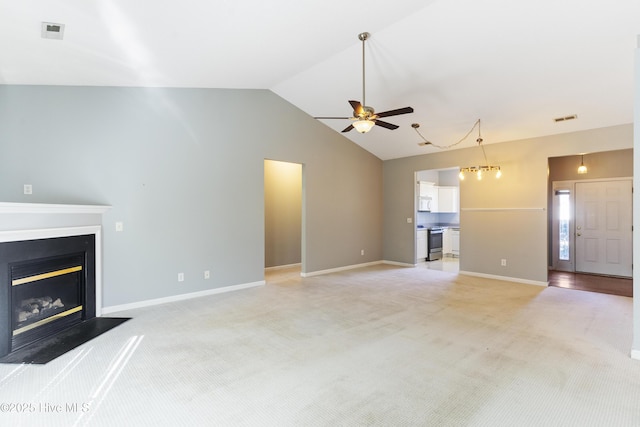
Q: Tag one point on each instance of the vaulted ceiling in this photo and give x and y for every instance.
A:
(514, 65)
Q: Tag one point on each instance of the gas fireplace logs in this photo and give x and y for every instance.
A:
(33, 307)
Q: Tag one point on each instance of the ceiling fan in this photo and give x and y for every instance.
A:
(365, 117)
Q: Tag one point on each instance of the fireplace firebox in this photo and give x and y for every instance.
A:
(46, 286)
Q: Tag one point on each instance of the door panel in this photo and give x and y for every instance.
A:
(604, 227)
(613, 252)
(590, 250)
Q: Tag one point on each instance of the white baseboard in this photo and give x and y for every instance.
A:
(505, 278)
(282, 267)
(399, 264)
(181, 297)
(335, 270)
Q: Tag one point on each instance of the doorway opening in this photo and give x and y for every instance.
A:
(590, 222)
(592, 227)
(283, 216)
(437, 219)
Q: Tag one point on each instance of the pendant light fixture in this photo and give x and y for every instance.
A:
(582, 169)
(479, 171)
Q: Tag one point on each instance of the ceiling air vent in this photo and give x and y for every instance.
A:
(565, 118)
(52, 31)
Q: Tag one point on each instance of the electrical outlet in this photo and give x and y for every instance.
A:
(361, 251)
(207, 274)
(119, 226)
(409, 220)
(28, 189)
(503, 262)
(180, 277)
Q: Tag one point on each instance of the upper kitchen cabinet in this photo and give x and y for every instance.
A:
(437, 199)
(447, 200)
(427, 196)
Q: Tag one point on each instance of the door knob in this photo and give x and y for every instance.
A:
(579, 234)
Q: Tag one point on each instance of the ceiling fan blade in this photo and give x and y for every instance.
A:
(347, 129)
(357, 108)
(326, 118)
(386, 125)
(405, 110)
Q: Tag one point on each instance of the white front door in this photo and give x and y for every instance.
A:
(603, 227)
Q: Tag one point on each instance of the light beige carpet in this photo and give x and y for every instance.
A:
(381, 346)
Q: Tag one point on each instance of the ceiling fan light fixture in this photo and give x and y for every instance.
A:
(363, 126)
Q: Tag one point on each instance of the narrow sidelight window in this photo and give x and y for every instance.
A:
(564, 222)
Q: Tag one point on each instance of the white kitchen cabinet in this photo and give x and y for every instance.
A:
(426, 188)
(427, 196)
(421, 245)
(446, 242)
(455, 241)
(447, 200)
(437, 199)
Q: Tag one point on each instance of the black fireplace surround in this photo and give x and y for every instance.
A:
(46, 286)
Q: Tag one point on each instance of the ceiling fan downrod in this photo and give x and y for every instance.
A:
(363, 37)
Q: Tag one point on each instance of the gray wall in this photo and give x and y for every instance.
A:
(499, 218)
(183, 170)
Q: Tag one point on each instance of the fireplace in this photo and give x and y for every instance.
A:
(50, 279)
(48, 286)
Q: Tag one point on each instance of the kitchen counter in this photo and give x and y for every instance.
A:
(427, 226)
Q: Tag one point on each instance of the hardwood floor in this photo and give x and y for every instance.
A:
(592, 283)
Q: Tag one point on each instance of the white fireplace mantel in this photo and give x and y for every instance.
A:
(46, 208)
(30, 221)
(30, 216)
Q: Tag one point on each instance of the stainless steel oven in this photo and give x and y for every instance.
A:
(434, 243)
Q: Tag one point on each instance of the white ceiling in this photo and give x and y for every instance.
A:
(514, 65)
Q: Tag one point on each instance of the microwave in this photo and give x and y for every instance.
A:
(424, 204)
